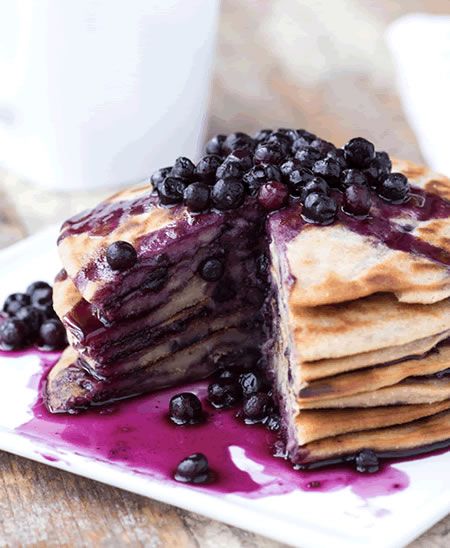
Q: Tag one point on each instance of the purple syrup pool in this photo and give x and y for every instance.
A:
(137, 434)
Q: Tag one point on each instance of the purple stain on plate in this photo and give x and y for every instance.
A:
(138, 435)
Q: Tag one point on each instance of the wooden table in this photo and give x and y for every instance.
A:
(300, 63)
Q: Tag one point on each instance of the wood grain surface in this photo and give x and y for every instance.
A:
(304, 63)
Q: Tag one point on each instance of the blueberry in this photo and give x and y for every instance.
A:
(394, 188)
(42, 299)
(193, 469)
(227, 194)
(229, 169)
(357, 200)
(53, 335)
(319, 209)
(170, 191)
(282, 140)
(367, 462)
(257, 407)
(353, 177)
(121, 255)
(262, 135)
(300, 144)
(273, 195)
(205, 170)
(291, 134)
(317, 185)
(237, 140)
(338, 155)
(215, 145)
(183, 168)
(359, 152)
(196, 197)
(159, 176)
(211, 269)
(268, 153)
(224, 394)
(185, 408)
(288, 167)
(251, 382)
(37, 285)
(329, 169)
(259, 175)
(273, 422)
(324, 147)
(15, 302)
(13, 334)
(32, 317)
(308, 156)
(383, 162)
(372, 174)
(306, 134)
(243, 157)
(298, 179)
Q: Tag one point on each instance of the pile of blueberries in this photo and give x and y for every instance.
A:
(282, 165)
(29, 319)
(239, 382)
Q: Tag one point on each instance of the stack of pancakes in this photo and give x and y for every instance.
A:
(362, 339)
(355, 332)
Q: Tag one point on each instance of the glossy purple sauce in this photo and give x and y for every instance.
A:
(137, 434)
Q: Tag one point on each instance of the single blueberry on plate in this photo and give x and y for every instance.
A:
(53, 335)
(257, 407)
(33, 319)
(357, 200)
(394, 188)
(215, 145)
(211, 269)
(223, 394)
(121, 255)
(37, 285)
(193, 469)
(227, 194)
(367, 462)
(13, 334)
(15, 302)
(185, 408)
(183, 168)
(251, 382)
(383, 162)
(205, 170)
(359, 152)
(273, 195)
(170, 191)
(319, 209)
(196, 197)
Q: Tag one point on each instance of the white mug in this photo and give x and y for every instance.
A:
(102, 92)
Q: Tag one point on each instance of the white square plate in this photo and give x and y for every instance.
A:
(338, 517)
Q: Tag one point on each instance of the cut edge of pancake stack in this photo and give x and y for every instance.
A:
(370, 373)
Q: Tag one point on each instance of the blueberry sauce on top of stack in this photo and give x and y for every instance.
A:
(277, 167)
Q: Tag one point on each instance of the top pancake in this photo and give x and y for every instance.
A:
(333, 264)
(329, 264)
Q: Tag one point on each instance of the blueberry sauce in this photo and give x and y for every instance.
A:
(138, 435)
